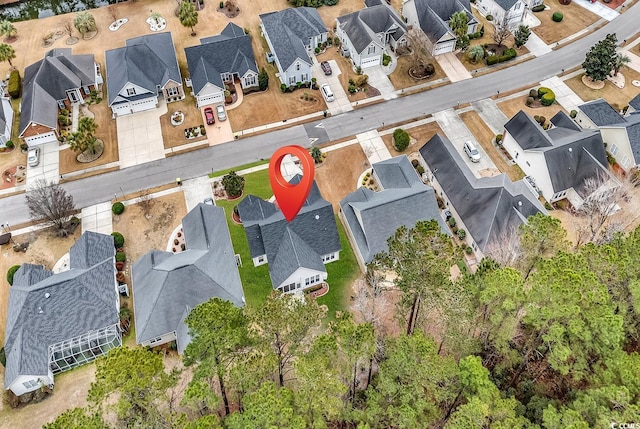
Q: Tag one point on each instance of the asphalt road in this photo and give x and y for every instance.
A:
(103, 187)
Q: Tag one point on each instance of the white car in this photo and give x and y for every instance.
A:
(471, 151)
(33, 156)
(327, 93)
(222, 115)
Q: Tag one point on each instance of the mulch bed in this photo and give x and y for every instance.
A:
(87, 156)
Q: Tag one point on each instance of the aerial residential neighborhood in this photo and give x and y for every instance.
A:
(466, 255)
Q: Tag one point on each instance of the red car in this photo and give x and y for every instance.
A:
(208, 114)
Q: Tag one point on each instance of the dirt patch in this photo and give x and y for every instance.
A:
(9, 161)
(143, 234)
(618, 98)
(338, 175)
(484, 135)
(420, 135)
(575, 19)
(401, 79)
(514, 105)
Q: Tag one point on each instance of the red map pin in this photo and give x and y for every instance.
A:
(291, 197)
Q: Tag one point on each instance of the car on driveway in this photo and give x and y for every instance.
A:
(327, 93)
(208, 201)
(326, 67)
(222, 115)
(33, 156)
(208, 115)
(471, 151)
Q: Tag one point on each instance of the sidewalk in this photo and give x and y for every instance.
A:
(564, 95)
(599, 9)
(373, 146)
(491, 114)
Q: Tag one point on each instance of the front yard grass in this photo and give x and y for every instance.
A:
(421, 134)
(174, 136)
(575, 19)
(514, 105)
(617, 97)
(400, 77)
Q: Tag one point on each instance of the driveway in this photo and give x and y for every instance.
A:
(341, 103)
(49, 166)
(196, 191)
(458, 133)
(380, 81)
(140, 136)
(599, 9)
(452, 66)
(220, 132)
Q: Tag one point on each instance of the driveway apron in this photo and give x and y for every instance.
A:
(49, 166)
(452, 66)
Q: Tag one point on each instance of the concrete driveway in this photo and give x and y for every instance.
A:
(49, 166)
(458, 133)
(220, 132)
(341, 103)
(452, 66)
(140, 136)
(380, 81)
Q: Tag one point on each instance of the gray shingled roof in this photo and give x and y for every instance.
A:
(315, 225)
(434, 15)
(146, 61)
(601, 113)
(294, 253)
(289, 30)
(506, 4)
(373, 217)
(363, 25)
(81, 299)
(229, 52)
(165, 284)
(573, 154)
(48, 80)
(635, 102)
(3, 118)
(489, 206)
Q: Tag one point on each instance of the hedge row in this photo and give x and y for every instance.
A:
(14, 84)
(508, 54)
(546, 96)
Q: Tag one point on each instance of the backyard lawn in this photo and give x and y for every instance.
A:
(256, 281)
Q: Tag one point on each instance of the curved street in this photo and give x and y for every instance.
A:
(103, 187)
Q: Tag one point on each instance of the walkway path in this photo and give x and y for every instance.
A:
(97, 218)
(380, 81)
(452, 67)
(564, 95)
(536, 45)
(373, 146)
(599, 9)
(491, 114)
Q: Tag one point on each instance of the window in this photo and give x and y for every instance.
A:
(372, 49)
(226, 77)
(625, 161)
(614, 149)
(529, 165)
(297, 66)
(517, 6)
(86, 90)
(292, 80)
(61, 104)
(29, 384)
(131, 91)
(250, 80)
(317, 278)
(155, 340)
(260, 258)
(305, 77)
(173, 91)
(307, 281)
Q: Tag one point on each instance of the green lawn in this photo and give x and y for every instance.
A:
(240, 168)
(256, 281)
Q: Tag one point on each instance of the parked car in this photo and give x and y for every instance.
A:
(33, 156)
(208, 115)
(471, 151)
(208, 201)
(222, 115)
(327, 93)
(326, 67)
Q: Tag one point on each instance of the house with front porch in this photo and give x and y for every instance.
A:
(220, 60)
(296, 251)
(487, 208)
(56, 322)
(562, 160)
(57, 81)
(514, 12)
(292, 35)
(167, 286)
(433, 16)
(141, 73)
(366, 33)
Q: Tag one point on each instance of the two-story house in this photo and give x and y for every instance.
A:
(142, 72)
(292, 35)
(218, 61)
(513, 11)
(366, 33)
(56, 82)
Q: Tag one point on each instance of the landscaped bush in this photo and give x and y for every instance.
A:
(386, 59)
(14, 84)
(573, 114)
(420, 170)
(10, 272)
(533, 93)
(415, 163)
(119, 266)
(548, 99)
(117, 208)
(510, 53)
(352, 89)
(492, 59)
(468, 250)
(452, 221)
(233, 184)
(283, 87)
(9, 144)
(498, 138)
(362, 80)
(540, 119)
(63, 121)
(538, 8)
(24, 146)
(529, 101)
(118, 240)
(489, 17)
(462, 234)
(543, 90)
(557, 16)
(400, 139)
(121, 257)
(263, 79)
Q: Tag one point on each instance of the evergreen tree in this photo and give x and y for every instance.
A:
(188, 15)
(600, 59)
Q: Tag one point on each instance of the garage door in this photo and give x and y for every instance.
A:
(210, 99)
(41, 139)
(146, 104)
(443, 48)
(369, 62)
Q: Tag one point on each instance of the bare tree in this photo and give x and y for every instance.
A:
(146, 203)
(68, 28)
(49, 202)
(421, 47)
(501, 31)
(369, 299)
(506, 249)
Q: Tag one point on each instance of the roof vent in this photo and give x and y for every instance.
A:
(317, 217)
(40, 310)
(570, 150)
(47, 295)
(519, 203)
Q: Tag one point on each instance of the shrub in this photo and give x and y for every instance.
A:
(121, 257)
(117, 208)
(362, 80)
(386, 59)
(420, 170)
(538, 8)
(468, 250)
(120, 277)
(263, 79)
(233, 184)
(452, 221)
(533, 93)
(529, 101)
(358, 70)
(10, 273)
(222, 4)
(118, 240)
(492, 59)
(283, 87)
(489, 17)
(481, 30)
(462, 234)
(9, 144)
(557, 16)
(573, 114)
(548, 99)
(62, 120)
(119, 266)
(415, 163)
(352, 89)
(3, 357)
(14, 84)
(498, 138)
(543, 90)
(541, 120)
(400, 139)
(24, 146)
(317, 50)
(510, 53)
